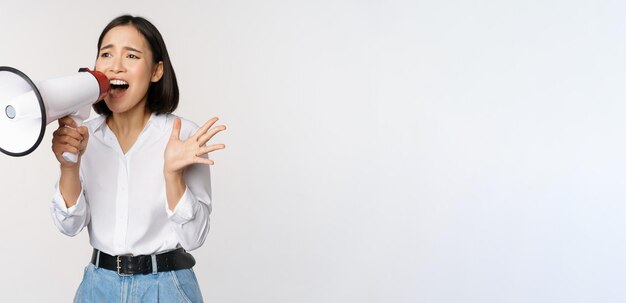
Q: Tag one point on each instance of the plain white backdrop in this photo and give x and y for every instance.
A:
(377, 151)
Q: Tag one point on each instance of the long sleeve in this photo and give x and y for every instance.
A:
(70, 221)
(123, 199)
(191, 215)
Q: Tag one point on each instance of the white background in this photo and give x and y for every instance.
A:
(377, 151)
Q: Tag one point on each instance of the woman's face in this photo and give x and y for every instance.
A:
(126, 59)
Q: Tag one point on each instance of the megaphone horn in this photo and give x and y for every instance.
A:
(26, 108)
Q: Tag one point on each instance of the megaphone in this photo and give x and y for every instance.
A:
(26, 108)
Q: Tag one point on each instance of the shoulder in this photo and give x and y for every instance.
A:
(187, 127)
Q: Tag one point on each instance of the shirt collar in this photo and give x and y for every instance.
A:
(158, 121)
(99, 123)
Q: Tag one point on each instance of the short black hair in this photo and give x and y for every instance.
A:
(162, 95)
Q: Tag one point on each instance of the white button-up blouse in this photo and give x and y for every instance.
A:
(123, 201)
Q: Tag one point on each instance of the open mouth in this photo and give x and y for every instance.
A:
(118, 87)
(118, 84)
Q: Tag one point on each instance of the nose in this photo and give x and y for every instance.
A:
(117, 65)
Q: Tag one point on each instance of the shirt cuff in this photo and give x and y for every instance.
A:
(185, 210)
(61, 210)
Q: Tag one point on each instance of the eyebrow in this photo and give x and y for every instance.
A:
(125, 47)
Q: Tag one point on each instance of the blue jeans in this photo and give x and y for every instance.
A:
(103, 285)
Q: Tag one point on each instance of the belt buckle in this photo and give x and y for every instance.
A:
(118, 262)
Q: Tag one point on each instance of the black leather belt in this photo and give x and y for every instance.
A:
(132, 265)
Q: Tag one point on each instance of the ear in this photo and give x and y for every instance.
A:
(157, 72)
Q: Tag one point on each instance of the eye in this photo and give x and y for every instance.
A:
(132, 56)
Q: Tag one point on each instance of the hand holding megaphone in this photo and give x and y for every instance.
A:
(78, 118)
(26, 108)
(69, 139)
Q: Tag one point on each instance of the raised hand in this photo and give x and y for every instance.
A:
(180, 154)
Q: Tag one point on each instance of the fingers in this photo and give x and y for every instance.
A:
(69, 135)
(67, 121)
(175, 130)
(206, 137)
(83, 130)
(85, 133)
(200, 160)
(67, 139)
(66, 130)
(59, 149)
(203, 150)
(202, 130)
(181, 153)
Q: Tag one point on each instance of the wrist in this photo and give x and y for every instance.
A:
(70, 168)
(174, 188)
(173, 176)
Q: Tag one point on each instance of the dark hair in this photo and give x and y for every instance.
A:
(162, 95)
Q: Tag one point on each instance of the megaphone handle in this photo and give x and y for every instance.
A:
(67, 155)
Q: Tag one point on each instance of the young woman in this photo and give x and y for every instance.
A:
(141, 184)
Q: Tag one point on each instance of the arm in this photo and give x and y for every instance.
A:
(69, 208)
(192, 210)
(187, 182)
(70, 220)
(69, 185)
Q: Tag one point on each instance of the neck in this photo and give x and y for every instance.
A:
(128, 122)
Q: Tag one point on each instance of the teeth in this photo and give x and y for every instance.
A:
(118, 82)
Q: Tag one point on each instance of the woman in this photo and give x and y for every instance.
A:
(141, 184)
